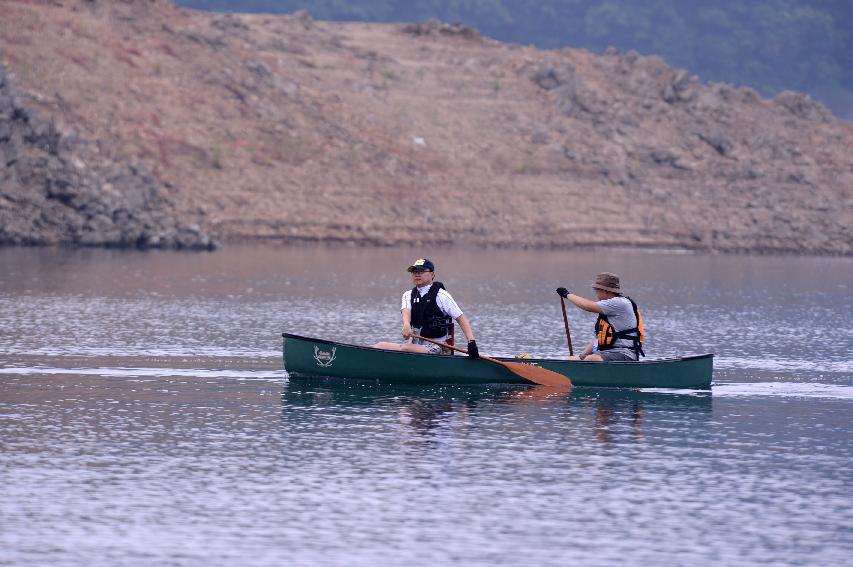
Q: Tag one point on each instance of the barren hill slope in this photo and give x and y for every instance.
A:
(285, 128)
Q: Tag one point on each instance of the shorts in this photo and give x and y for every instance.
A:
(432, 348)
(616, 356)
(435, 349)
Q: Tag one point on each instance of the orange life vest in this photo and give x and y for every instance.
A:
(607, 335)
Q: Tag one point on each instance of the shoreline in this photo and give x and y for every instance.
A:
(267, 243)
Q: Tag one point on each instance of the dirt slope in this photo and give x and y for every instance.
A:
(285, 128)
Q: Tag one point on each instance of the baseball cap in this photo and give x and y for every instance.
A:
(421, 265)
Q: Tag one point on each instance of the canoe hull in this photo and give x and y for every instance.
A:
(306, 357)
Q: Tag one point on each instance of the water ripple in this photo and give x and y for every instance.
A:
(146, 419)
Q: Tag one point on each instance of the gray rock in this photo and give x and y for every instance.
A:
(681, 88)
(803, 106)
(229, 23)
(437, 27)
(539, 136)
(662, 156)
(717, 140)
(64, 189)
(259, 69)
(549, 77)
(546, 78)
(304, 17)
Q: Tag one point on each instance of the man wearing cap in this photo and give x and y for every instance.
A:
(429, 310)
(619, 327)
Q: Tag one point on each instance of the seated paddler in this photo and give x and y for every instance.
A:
(429, 310)
(619, 327)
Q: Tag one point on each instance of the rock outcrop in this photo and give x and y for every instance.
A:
(56, 187)
(139, 123)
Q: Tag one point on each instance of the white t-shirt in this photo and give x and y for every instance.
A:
(443, 299)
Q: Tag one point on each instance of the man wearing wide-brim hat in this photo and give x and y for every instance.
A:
(619, 327)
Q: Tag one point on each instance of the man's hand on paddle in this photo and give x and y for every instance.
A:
(562, 292)
(407, 331)
(473, 351)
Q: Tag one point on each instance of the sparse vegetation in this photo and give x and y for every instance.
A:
(286, 151)
(216, 157)
(758, 43)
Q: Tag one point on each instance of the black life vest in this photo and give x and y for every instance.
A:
(607, 335)
(427, 315)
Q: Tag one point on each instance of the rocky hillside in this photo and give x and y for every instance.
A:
(58, 188)
(136, 122)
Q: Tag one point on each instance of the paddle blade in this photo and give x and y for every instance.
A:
(539, 375)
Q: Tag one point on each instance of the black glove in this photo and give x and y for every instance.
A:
(473, 352)
(562, 292)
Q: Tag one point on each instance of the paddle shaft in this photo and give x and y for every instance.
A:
(451, 347)
(566, 323)
(445, 345)
(531, 373)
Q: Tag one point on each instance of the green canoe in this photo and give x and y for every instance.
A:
(305, 357)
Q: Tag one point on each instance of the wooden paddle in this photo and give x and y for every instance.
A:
(529, 372)
(566, 323)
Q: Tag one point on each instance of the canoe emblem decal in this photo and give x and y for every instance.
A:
(324, 358)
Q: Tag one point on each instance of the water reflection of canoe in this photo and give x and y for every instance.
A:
(306, 357)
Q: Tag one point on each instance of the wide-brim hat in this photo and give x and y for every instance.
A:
(606, 281)
(421, 265)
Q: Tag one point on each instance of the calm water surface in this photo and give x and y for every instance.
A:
(145, 418)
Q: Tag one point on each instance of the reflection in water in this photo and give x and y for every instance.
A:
(605, 414)
(422, 409)
(622, 413)
(425, 415)
(606, 410)
(539, 394)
